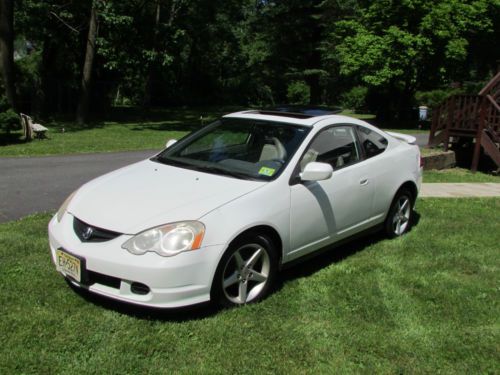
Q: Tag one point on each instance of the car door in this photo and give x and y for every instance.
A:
(322, 212)
(374, 146)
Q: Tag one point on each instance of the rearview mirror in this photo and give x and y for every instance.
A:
(315, 171)
(170, 142)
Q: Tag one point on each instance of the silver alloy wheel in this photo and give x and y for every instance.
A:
(401, 217)
(246, 273)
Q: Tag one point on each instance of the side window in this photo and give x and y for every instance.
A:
(336, 146)
(373, 142)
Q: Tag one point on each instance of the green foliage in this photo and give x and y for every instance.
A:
(9, 121)
(433, 98)
(400, 47)
(298, 92)
(355, 98)
(201, 52)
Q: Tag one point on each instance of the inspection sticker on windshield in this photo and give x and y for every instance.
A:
(267, 171)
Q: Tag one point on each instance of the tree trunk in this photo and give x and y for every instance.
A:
(149, 88)
(84, 101)
(7, 49)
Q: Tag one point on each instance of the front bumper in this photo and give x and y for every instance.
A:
(181, 280)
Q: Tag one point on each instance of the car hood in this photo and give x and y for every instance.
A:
(148, 194)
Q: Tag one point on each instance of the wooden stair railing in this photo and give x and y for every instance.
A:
(490, 147)
(470, 116)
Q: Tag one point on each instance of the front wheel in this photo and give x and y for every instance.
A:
(246, 272)
(398, 220)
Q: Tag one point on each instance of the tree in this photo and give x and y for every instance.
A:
(282, 46)
(191, 52)
(84, 101)
(396, 47)
(7, 50)
(156, 51)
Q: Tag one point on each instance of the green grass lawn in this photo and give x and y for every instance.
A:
(458, 175)
(425, 151)
(362, 116)
(424, 303)
(123, 129)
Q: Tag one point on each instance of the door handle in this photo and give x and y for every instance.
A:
(364, 182)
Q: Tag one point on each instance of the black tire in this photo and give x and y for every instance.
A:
(249, 277)
(396, 214)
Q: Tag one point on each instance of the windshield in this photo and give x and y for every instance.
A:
(241, 148)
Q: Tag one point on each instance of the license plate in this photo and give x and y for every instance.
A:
(69, 265)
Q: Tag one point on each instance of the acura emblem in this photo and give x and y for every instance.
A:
(87, 233)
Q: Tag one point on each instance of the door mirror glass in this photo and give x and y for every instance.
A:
(170, 142)
(315, 171)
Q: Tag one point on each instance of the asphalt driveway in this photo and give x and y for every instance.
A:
(422, 139)
(29, 185)
(37, 184)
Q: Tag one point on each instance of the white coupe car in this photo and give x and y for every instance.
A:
(216, 215)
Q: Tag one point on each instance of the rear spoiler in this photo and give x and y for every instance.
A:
(404, 137)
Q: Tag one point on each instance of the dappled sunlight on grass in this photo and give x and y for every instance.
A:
(125, 130)
(421, 303)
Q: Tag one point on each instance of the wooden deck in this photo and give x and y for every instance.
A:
(474, 118)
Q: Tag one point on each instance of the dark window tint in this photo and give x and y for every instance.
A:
(240, 148)
(373, 143)
(336, 146)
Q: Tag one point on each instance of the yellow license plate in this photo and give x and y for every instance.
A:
(69, 265)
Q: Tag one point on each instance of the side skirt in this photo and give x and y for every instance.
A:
(364, 233)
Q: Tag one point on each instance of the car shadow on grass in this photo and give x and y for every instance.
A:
(334, 254)
(182, 314)
(316, 262)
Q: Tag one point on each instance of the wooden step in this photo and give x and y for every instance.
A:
(490, 148)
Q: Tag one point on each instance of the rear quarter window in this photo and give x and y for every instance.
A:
(373, 143)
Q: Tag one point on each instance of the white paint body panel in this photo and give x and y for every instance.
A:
(306, 216)
(148, 194)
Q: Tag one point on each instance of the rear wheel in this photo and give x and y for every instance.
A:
(398, 220)
(246, 272)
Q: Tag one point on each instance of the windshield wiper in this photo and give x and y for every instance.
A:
(226, 172)
(203, 168)
(170, 161)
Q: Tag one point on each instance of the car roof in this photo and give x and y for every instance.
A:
(301, 111)
(291, 117)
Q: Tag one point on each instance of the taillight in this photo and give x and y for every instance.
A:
(421, 161)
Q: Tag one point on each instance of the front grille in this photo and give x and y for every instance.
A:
(88, 233)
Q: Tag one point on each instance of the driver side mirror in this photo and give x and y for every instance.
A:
(315, 171)
(170, 142)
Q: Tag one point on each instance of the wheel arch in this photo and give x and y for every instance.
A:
(267, 231)
(412, 187)
(409, 185)
(261, 229)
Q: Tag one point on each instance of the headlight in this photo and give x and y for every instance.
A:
(167, 240)
(64, 207)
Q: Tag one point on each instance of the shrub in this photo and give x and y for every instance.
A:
(298, 92)
(263, 96)
(355, 98)
(433, 98)
(9, 121)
